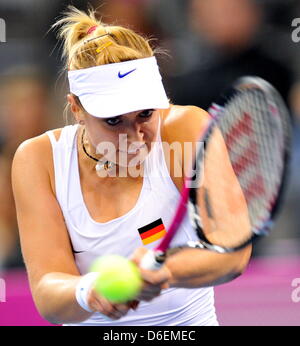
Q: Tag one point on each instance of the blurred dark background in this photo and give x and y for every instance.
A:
(209, 43)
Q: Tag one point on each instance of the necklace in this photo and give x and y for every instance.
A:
(101, 164)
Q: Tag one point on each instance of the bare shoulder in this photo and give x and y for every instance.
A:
(183, 123)
(35, 146)
(34, 155)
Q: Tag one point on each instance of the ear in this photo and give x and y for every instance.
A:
(73, 104)
(76, 110)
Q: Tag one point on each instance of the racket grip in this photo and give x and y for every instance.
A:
(152, 260)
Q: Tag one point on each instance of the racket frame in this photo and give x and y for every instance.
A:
(188, 195)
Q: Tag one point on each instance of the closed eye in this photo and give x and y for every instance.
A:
(147, 113)
(113, 121)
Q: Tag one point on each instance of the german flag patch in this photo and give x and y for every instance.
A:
(152, 232)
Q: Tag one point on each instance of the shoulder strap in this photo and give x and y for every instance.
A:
(52, 138)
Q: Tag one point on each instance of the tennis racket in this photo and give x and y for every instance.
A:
(240, 176)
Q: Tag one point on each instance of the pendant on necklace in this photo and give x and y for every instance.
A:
(106, 165)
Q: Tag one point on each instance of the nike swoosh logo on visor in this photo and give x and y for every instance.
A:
(122, 75)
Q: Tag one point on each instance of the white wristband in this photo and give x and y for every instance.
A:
(82, 289)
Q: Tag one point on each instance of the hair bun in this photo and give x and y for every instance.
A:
(85, 37)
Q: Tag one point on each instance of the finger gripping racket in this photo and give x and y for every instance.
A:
(240, 176)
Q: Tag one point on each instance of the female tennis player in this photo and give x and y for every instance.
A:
(77, 199)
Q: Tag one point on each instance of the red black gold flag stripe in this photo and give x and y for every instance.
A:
(152, 232)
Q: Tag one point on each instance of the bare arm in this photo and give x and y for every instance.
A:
(45, 244)
(52, 271)
(192, 268)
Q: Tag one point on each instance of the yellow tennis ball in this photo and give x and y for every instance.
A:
(119, 279)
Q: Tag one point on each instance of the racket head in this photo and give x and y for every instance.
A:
(252, 126)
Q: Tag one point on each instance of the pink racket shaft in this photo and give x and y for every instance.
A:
(149, 261)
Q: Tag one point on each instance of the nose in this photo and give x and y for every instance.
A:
(135, 132)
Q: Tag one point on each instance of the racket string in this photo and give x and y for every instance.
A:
(254, 142)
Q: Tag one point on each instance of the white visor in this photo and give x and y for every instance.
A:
(109, 90)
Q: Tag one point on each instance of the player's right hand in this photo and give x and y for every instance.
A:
(112, 310)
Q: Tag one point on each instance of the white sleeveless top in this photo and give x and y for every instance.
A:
(90, 239)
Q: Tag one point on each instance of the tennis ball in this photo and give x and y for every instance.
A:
(119, 279)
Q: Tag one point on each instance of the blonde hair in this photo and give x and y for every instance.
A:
(88, 42)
